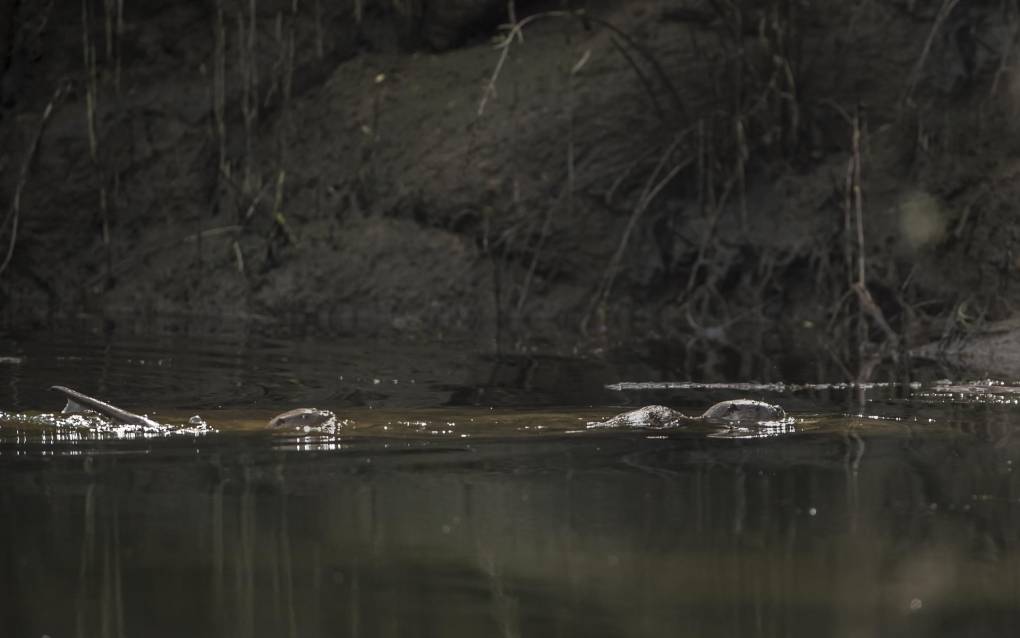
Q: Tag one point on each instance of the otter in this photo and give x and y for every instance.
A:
(301, 417)
(78, 403)
(734, 412)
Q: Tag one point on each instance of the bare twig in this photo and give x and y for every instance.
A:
(854, 203)
(278, 216)
(14, 212)
(1005, 58)
(238, 257)
(91, 75)
(645, 82)
(320, 49)
(653, 186)
(866, 305)
(915, 75)
(715, 206)
(516, 31)
(248, 69)
(155, 247)
(872, 310)
(568, 190)
(858, 198)
(219, 87)
(239, 191)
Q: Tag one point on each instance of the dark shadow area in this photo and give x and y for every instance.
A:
(838, 176)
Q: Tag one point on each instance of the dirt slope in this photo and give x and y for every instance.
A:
(306, 166)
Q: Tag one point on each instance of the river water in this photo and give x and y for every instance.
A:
(461, 494)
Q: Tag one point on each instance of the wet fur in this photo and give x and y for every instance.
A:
(737, 411)
(78, 402)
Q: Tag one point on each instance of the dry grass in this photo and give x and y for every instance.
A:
(757, 102)
(12, 219)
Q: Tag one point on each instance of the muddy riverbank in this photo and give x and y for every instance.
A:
(657, 169)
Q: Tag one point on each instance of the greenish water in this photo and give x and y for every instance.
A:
(463, 496)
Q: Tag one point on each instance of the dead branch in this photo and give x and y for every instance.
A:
(915, 75)
(516, 31)
(14, 212)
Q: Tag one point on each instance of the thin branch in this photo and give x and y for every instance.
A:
(516, 30)
(915, 75)
(14, 212)
(653, 186)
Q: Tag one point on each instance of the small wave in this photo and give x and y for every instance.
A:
(94, 426)
(756, 387)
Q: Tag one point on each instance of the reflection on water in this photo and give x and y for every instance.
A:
(243, 370)
(897, 515)
(816, 534)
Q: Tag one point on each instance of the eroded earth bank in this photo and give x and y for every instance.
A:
(839, 175)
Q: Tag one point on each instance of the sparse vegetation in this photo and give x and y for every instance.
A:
(689, 171)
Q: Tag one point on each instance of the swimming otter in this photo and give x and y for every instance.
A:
(301, 417)
(78, 403)
(735, 412)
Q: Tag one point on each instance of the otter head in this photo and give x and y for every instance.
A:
(744, 411)
(301, 418)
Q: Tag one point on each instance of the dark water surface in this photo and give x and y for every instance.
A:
(463, 495)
